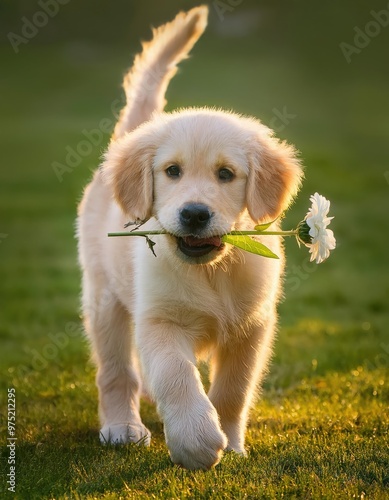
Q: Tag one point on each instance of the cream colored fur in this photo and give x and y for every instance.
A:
(150, 319)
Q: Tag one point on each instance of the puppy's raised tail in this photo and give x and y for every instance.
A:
(146, 82)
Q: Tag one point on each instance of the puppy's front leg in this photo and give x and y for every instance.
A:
(108, 325)
(192, 430)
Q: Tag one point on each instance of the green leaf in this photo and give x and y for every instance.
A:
(264, 226)
(246, 243)
(151, 245)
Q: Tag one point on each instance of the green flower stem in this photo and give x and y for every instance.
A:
(138, 233)
(294, 232)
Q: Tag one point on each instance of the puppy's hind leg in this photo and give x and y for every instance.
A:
(236, 372)
(108, 324)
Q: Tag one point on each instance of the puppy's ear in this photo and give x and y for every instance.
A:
(127, 169)
(274, 177)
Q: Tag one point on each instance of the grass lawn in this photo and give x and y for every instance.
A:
(320, 428)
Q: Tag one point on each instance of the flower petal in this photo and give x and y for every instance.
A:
(317, 219)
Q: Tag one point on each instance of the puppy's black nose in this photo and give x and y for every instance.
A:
(194, 216)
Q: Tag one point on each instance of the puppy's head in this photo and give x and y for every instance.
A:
(199, 173)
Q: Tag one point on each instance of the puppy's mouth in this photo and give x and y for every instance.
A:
(197, 247)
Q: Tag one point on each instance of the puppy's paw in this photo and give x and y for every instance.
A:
(237, 449)
(196, 441)
(125, 433)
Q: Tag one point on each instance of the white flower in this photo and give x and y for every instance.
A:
(322, 239)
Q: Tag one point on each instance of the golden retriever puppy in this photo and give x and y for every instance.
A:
(197, 174)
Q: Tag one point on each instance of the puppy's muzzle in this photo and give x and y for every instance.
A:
(194, 220)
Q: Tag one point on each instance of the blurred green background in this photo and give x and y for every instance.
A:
(283, 62)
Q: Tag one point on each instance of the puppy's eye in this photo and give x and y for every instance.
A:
(173, 171)
(225, 174)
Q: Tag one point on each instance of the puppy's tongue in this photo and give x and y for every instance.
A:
(192, 241)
